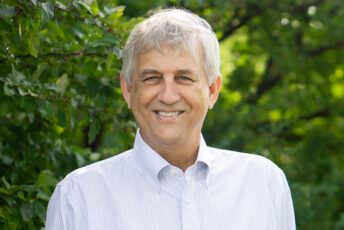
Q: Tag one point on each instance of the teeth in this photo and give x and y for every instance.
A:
(168, 114)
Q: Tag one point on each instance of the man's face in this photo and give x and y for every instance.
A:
(169, 97)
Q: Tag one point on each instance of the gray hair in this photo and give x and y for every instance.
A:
(177, 29)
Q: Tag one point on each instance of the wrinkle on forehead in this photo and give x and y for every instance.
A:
(175, 50)
(169, 61)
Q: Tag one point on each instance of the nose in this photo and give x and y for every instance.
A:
(169, 92)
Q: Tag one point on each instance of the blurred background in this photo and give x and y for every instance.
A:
(61, 107)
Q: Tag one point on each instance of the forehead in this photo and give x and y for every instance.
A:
(168, 58)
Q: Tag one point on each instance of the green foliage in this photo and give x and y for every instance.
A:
(61, 106)
(283, 96)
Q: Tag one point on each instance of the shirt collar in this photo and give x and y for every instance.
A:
(204, 160)
(148, 161)
(151, 163)
(204, 154)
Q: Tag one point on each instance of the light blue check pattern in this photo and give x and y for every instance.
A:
(139, 190)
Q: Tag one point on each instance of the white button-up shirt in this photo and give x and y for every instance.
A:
(138, 189)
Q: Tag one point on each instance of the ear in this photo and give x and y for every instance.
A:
(214, 90)
(125, 87)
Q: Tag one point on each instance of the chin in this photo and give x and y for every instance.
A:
(168, 138)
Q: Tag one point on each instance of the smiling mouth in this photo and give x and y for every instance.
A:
(168, 114)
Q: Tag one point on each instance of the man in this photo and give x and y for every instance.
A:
(171, 179)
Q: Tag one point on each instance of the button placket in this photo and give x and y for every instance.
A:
(188, 207)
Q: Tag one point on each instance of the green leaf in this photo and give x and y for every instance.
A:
(34, 2)
(8, 90)
(13, 217)
(338, 90)
(7, 11)
(62, 119)
(61, 5)
(104, 41)
(48, 11)
(32, 94)
(6, 160)
(22, 92)
(4, 191)
(109, 61)
(34, 43)
(46, 178)
(94, 8)
(40, 210)
(21, 195)
(112, 9)
(7, 185)
(95, 156)
(57, 30)
(40, 69)
(93, 131)
(5, 108)
(47, 109)
(74, 103)
(115, 12)
(16, 75)
(62, 83)
(43, 195)
(85, 5)
(26, 211)
(80, 159)
(118, 52)
(31, 117)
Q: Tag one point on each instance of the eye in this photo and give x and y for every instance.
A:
(185, 79)
(150, 80)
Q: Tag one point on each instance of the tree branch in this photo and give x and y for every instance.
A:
(68, 11)
(323, 49)
(77, 53)
(234, 23)
(268, 81)
(325, 112)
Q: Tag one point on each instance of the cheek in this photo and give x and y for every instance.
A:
(203, 97)
(141, 98)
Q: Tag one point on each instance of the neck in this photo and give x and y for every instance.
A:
(182, 153)
(181, 158)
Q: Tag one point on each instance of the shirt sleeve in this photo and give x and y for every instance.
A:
(286, 218)
(56, 208)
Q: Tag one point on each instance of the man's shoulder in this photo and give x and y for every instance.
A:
(247, 167)
(102, 169)
(243, 161)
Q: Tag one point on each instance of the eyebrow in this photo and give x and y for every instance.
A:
(184, 71)
(153, 71)
(149, 71)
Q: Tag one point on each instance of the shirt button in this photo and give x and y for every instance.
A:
(187, 201)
